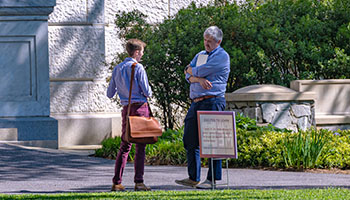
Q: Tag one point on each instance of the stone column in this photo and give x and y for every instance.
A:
(24, 68)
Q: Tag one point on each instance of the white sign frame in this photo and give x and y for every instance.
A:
(217, 134)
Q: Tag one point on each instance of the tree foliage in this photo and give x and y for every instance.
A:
(269, 42)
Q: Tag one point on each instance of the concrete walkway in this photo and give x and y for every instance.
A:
(37, 170)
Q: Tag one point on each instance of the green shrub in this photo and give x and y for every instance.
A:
(337, 153)
(169, 150)
(303, 149)
(256, 148)
(269, 42)
(110, 148)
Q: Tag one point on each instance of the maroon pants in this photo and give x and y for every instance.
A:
(125, 147)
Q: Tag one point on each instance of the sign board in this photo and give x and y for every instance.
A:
(217, 134)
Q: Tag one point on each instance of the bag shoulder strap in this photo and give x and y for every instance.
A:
(131, 81)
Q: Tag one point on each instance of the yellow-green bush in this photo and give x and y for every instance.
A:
(257, 147)
(337, 150)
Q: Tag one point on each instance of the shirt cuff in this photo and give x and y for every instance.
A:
(188, 76)
(195, 71)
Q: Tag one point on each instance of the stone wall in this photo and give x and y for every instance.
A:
(276, 105)
(291, 115)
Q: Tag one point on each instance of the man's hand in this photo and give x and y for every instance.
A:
(188, 69)
(202, 81)
(205, 83)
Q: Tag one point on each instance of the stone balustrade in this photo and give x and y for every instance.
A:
(332, 105)
(321, 103)
(277, 105)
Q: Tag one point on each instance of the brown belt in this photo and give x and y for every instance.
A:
(198, 99)
(139, 103)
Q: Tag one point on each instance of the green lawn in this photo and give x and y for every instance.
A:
(331, 193)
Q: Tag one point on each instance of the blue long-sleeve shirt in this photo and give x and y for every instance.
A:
(120, 83)
(216, 70)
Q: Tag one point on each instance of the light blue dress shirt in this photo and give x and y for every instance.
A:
(120, 83)
(216, 70)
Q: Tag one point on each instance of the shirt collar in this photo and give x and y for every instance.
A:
(213, 50)
(130, 59)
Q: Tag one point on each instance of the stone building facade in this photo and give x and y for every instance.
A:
(82, 37)
(24, 68)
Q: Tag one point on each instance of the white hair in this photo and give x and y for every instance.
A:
(214, 32)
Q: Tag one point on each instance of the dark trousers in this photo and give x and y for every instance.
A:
(125, 147)
(191, 141)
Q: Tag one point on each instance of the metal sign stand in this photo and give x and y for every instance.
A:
(213, 184)
(217, 139)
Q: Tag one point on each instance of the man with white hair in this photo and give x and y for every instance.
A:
(207, 74)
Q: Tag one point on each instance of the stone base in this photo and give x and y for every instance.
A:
(333, 122)
(30, 131)
(334, 127)
(86, 129)
(51, 144)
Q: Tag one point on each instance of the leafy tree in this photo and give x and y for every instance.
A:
(269, 42)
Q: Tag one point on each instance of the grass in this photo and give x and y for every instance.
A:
(330, 193)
